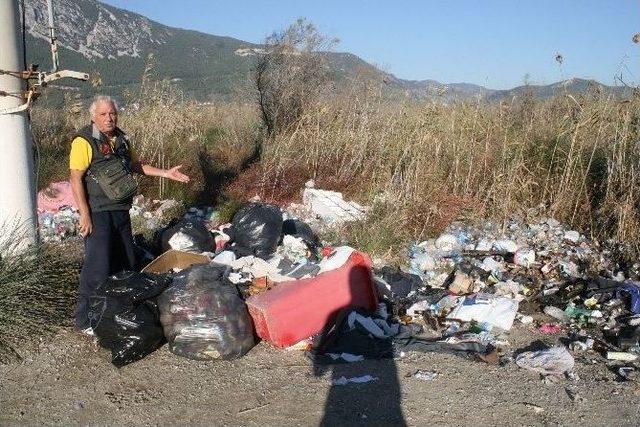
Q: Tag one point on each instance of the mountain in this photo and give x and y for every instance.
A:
(116, 44)
(570, 86)
(98, 38)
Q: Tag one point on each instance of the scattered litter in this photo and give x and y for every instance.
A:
(572, 236)
(580, 345)
(294, 249)
(556, 313)
(225, 257)
(525, 320)
(395, 284)
(550, 328)
(537, 409)
(425, 375)
(447, 243)
(506, 245)
(524, 257)
(347, 357)
(462, 284)
(628, 373)
(353, 380)
(574, 395)
(59, 225)
(552, 361)
(336, 258)
(418, 308)
(306, 344)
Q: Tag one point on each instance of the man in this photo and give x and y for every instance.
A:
(104, 220)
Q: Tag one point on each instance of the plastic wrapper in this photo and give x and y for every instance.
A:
(188, 235)
(125, 317)
(257, 228)
(203, 316)
(551, 361)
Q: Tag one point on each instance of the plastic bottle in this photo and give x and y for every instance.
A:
(556, 313)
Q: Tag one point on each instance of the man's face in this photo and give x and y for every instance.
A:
(105, 117)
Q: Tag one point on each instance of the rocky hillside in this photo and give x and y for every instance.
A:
(96, 31)
(115, 43)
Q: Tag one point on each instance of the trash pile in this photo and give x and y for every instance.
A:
(483, 279)
(60, 225)
(221, 287)
(57, 212)
(155, 213)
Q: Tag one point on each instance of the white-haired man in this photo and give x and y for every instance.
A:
(99, 152)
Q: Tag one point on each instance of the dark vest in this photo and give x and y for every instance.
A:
(97, 199)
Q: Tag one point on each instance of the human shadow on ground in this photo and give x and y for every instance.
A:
(373, 403)
(377, 402)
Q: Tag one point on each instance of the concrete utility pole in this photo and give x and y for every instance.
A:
(18, 221)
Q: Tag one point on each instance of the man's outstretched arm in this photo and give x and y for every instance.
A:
(148, 170)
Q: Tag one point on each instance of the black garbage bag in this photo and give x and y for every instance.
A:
(188, 235)
(397, 284)
(125, 317)
(145, 251)
(256, 229)
(204, 317)
(297, 228)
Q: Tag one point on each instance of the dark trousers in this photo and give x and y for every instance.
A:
(107, 250)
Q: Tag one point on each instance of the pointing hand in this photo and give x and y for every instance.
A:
(176, 175)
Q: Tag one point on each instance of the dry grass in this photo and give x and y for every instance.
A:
(423, 164)
(211, 141)
(37, 293)
(430, 163)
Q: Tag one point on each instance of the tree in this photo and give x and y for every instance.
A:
(291, 75)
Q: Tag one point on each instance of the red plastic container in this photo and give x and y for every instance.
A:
(296, 310)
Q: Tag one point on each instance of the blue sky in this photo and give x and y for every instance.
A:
(494, 43)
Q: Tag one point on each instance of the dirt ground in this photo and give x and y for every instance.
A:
(69, 381)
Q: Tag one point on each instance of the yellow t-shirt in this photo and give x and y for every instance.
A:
(81, 153)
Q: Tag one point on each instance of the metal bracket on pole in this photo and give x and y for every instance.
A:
(21, 107)
(43, 79)
(78, 75)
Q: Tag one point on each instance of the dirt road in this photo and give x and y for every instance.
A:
(69, 381)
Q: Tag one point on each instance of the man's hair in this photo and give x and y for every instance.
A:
(99, 99)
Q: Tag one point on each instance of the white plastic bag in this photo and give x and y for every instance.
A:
(498, 312)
